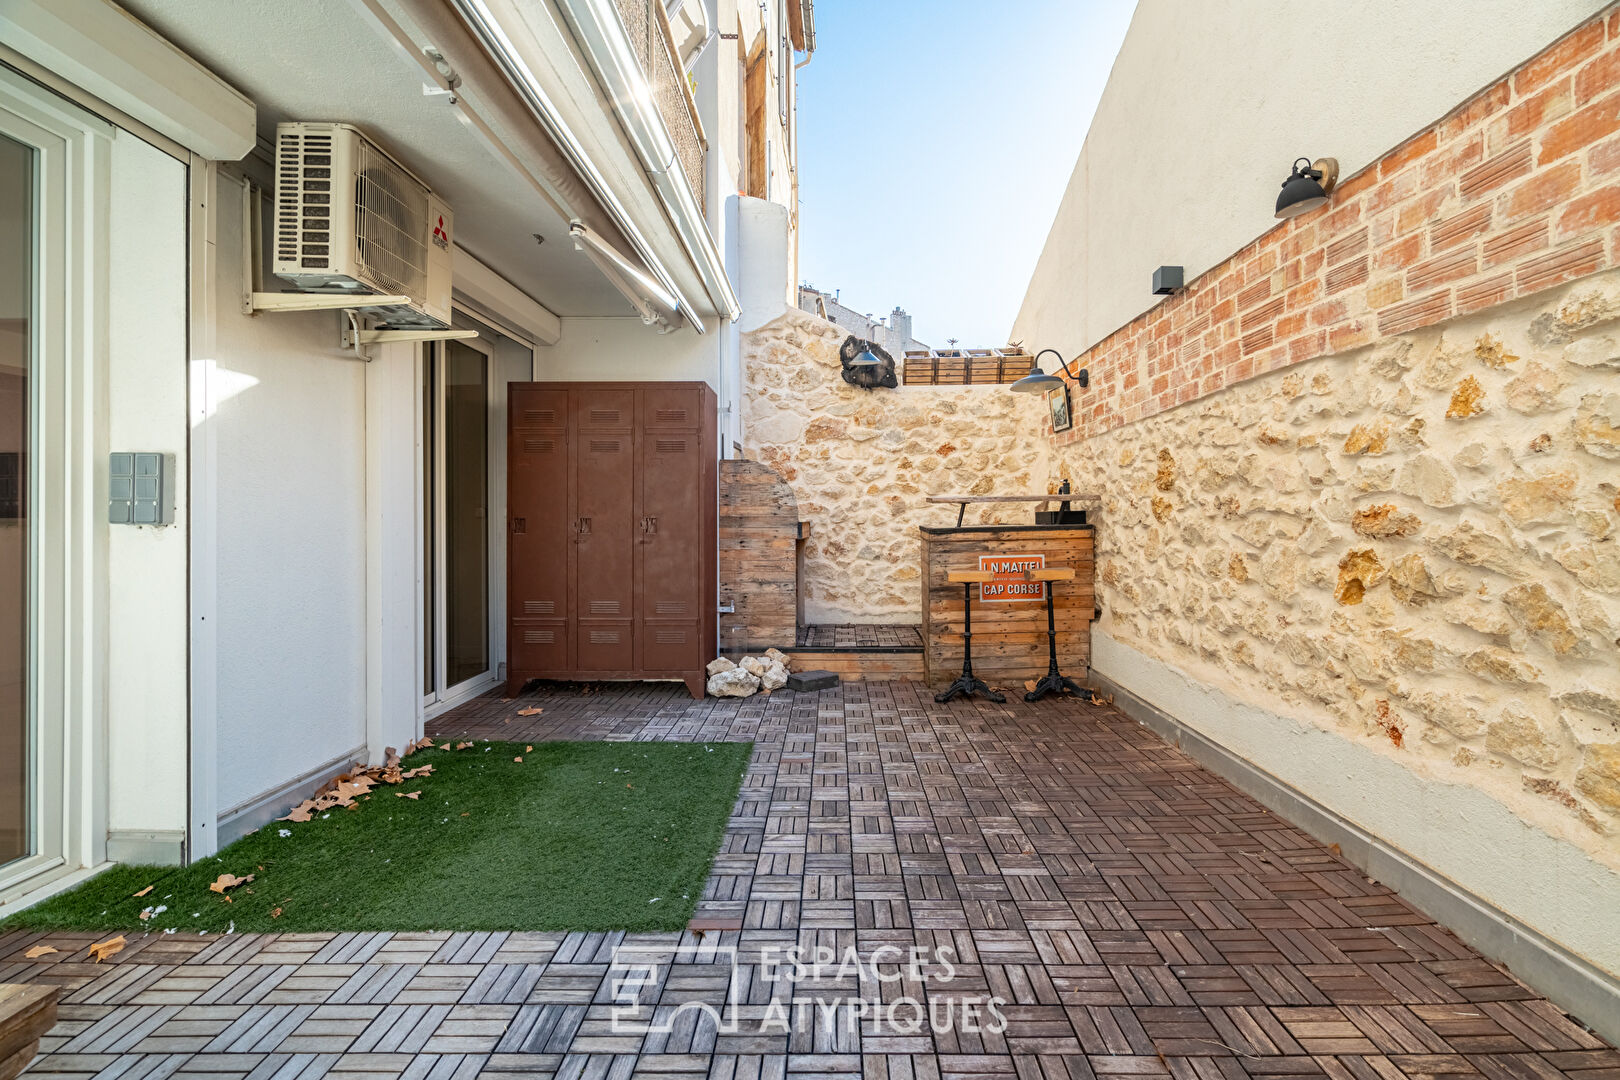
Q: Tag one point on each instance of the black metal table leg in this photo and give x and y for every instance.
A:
(968, 683)
(1053, 681)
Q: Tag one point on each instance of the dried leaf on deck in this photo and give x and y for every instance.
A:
(407, 794)
(1029, 684)
(143, 892)
(103, 949)
(531, 711)
(38, 951)
(228, 881)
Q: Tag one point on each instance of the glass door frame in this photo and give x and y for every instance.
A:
(66, 487)
(432, 564)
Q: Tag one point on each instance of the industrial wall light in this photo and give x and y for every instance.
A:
(1167, 279)
(1307, 188)
(866, 364)
(1038, 382)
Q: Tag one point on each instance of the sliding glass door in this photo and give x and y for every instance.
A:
(19, 773)
(457, 648)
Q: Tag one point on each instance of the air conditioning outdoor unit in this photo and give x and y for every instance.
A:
(352, 220)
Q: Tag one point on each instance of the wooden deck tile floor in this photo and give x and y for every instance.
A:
(1137, 916)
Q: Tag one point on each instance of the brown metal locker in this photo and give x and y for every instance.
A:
(604, 549)
(612, 534)
(538, 633)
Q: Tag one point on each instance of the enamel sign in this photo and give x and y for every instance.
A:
(1009, 587)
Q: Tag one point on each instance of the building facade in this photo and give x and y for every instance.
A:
(893, 332)
(249, 542)
(1359, 477)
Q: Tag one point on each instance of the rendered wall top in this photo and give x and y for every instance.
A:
(1187, 149)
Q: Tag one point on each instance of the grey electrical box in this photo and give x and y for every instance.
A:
(139, 487)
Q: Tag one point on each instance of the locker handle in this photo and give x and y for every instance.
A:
(582, 529)
(520, 525)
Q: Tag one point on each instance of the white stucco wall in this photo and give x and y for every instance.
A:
(605, 350)
(146, 567)
(290, 423)
(1207, 106)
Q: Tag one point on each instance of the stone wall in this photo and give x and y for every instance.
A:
(861, 462)
(1415, 544)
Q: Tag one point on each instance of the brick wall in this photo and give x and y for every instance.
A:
(1516, 191)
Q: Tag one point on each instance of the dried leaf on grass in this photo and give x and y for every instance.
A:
(530, 711)
(407, 794)
(38, 951)
(518, 759)
(103, 949)
(276, 913)
(350, 787)
(528, 749)
(463, 745)
(143, 892)
(228, 881)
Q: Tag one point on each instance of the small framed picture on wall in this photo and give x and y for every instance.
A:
(1058, 400)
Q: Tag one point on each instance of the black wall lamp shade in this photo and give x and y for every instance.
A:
(1307, 188)
(1038, 382)
(1167, 279)
(867, 358)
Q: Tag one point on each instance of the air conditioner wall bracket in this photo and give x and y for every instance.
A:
(292, 301)
(384, 337)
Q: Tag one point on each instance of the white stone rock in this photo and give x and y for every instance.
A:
(733, 683)
(719, 664)
(775, 677)
(754, 665)
(780, 657)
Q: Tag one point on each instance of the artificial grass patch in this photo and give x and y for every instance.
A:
(578, 836)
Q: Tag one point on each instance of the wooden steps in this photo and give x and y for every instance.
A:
(860, 666)
(856, 652)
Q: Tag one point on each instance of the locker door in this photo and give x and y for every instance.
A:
(538, 533)
(604, 545)
(670, 540)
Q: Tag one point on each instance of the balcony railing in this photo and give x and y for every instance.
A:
(650, 36)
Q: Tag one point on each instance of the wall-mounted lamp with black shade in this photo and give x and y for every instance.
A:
(866, 364)
(1038, 382)
(1307, 188)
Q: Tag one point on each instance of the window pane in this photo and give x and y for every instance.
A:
(16, 311)
(466, 525)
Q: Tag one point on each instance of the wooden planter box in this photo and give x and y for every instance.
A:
(1009, 635)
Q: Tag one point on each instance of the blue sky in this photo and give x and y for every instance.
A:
(935, 140)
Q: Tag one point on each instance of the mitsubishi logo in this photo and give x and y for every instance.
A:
(441, 235)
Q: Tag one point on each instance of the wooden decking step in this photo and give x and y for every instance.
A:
(27, 1011)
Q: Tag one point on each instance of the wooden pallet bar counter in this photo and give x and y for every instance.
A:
(1009, 615)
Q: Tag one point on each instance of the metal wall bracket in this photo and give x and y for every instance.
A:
(353, 337)
(269, 301)
(356, 336)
